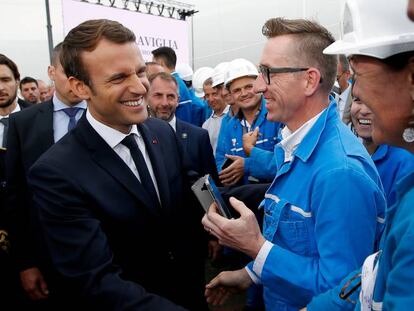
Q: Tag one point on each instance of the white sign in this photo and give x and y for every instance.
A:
(151, 31)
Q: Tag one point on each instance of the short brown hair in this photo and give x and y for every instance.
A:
(208, 82)
(4, 60)
(85, 37)
(163, 76)
(312, 40)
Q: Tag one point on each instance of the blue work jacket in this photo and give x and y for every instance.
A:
(322, 213)
(187, 110)
(393, 287)
(231, 141)
(393, 165)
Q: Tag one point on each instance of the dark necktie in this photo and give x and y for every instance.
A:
(143, 172)
(71, 113)
(5, 122)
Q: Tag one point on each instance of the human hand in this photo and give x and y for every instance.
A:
(226, 284)
(242, 234)
(34, 284)
(214, 250)
(249, 140)
(234, 172)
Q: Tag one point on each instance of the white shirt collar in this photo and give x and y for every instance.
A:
(290, 141)
(59, 105)
(214, 115)
(344, 95)
(16, 109)
(173, 123)
(112, 136)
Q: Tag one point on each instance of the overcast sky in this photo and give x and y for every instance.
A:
(223, 29)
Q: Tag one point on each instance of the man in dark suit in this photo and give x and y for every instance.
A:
(110, 195)
(30, 134)
(162, 100)
(9, 82)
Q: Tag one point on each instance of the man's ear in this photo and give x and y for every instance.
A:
(51, 72)
(79, 88)
(313, 78)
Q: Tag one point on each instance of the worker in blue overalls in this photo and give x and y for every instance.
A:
(325, 208)
(239, 79)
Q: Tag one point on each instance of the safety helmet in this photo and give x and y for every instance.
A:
(376, 28)
(238, 68)
(218, 74)
(184, 71)
(199, 77)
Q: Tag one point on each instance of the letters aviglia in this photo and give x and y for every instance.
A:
(157, 42)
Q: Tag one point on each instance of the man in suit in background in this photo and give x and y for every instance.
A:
(344, 97)
(9, 82)
(187, 109)
(162, 100)
(31, 133)
(110, 195)
(29, 89)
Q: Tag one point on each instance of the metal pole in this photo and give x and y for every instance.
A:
(49, 31)
(192, 43)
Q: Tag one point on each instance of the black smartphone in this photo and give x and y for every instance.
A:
(216, 195)
(207, 192)
(226, 163)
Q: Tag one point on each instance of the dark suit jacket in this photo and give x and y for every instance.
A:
(3, 211)
(30, 135)
(11, 294)
(197, 148)
(111, 249)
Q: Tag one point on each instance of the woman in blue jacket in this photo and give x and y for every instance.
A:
(392, 163)
(384, 74)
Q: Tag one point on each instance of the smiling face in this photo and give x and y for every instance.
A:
(163, 98)
(118, 84)
(243, 93)
(285, 94)
(214, 98)
(387, 94)
(361, 117)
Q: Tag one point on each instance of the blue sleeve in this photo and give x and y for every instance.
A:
(221, 148)
(330, 300)
(399, 250)
(344, 205)
(262, 164)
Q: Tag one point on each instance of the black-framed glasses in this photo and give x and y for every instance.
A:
(266, 71)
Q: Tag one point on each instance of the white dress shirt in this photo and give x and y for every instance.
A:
(173, 123)
(342, 98)
(114, 138)
(61, 119)
(16, 109)
(213, 125)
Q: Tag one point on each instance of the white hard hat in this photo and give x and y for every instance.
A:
(238, 68)
(199, 77)
(218, 74)
(184, 71)
(376, 28)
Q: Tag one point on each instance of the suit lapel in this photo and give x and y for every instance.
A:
(109, 161)
(182, 134)
(43, 125)
(155, 154)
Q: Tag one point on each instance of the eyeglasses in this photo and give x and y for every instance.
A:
(266, 71)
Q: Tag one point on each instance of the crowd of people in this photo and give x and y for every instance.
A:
(312, 150)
